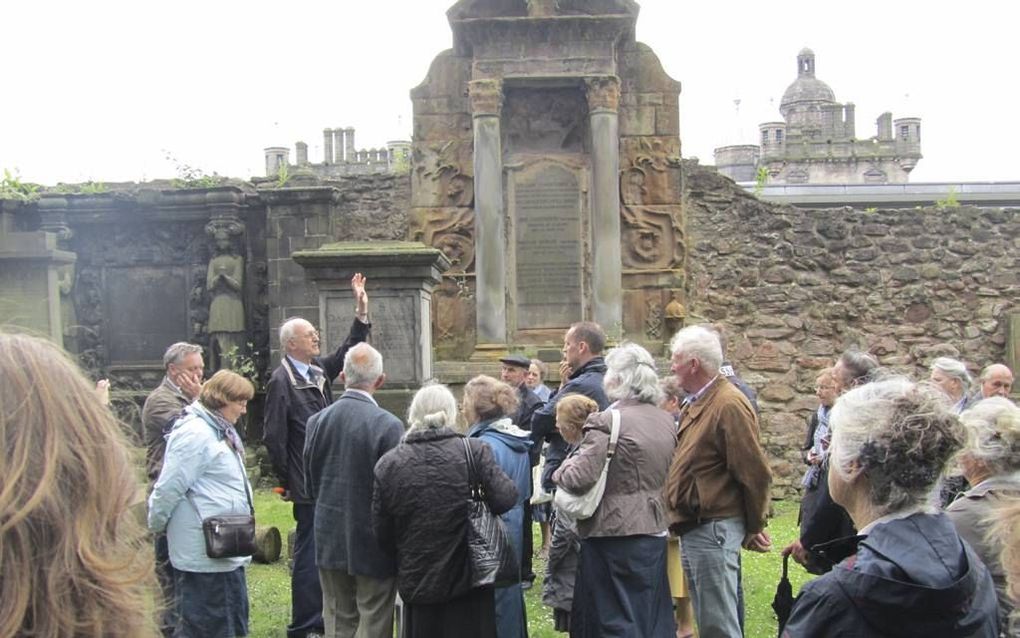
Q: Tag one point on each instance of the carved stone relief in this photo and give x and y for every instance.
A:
(451, 230)
(650, 170)
(443, 174)
(652, 237)
(545, 120)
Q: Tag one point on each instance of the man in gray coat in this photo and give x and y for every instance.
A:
(342, 445)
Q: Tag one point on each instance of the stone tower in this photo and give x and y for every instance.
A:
(816, 143)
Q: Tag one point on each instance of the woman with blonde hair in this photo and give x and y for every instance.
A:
(488, 406)
(561, 569)
(75, 561)
(203, 475)
(420, 515)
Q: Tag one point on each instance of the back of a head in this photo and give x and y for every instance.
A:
(226, 386)
(574, 409)
(433, 406)
(900, 434)
(592, 334)
(68, 484)
(631, 374)
(860, 367)
(363, 365)
(489, 398)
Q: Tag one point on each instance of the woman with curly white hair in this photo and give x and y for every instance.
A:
(990, 461)
(912, 575)
(621, 587)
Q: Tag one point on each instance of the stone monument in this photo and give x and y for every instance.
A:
(546, 167)
(400, 279)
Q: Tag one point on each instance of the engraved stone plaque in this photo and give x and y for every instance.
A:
(394, 332)
(147, 309)
(548, 249)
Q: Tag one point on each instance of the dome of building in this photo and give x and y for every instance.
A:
(806, 88)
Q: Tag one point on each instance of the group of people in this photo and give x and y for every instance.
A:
(382, 511)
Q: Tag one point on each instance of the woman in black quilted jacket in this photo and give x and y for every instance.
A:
(420, 514)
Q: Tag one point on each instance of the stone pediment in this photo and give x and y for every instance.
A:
(488, 9)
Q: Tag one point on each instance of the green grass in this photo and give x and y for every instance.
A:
(269, 585)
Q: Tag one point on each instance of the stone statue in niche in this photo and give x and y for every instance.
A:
(225, 284)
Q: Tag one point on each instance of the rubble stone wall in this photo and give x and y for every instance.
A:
(795, 287)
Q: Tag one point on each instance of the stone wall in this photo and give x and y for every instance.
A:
(795, 287)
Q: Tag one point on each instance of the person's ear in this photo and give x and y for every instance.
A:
(343, 378)
(380, 381)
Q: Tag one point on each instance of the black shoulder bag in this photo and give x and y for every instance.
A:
(230, 535)
(490, 553)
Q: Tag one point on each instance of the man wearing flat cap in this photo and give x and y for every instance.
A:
(515, 374)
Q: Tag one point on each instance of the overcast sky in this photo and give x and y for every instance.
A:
(104, 90)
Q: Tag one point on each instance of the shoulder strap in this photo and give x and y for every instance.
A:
(472, 475)
(614, 436)
(246, 487)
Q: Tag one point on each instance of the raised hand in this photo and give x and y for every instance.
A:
(360, 296)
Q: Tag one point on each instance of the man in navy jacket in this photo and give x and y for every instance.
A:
(343, 444)
(298, 388)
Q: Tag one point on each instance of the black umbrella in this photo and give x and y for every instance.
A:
(782, 603)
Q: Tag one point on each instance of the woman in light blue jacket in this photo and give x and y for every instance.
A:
(203, 475)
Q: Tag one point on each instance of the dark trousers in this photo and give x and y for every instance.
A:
(305, 589)
(165, 575)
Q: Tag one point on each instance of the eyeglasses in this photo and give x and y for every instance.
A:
(819, 388)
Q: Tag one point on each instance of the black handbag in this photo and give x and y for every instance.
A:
(229, 535)
(492, 559)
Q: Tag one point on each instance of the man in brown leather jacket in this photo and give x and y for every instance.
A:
(717, 490)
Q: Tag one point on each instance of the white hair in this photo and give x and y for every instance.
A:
(953, 368)
(363, 366)
(993, 434)
(287, 330)
(176, 352)
(631, 374)
(433, 406)
(899, 434)
(698, 342)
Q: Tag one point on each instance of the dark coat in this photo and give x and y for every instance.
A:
(911, 577)
(344, 443)
(529, 403)
(161, 409)
(420, 509)
(290, 400)
(586, 380)
(823, 521)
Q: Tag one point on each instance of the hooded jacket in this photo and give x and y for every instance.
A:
(911, 577)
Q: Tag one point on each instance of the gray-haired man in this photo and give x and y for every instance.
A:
(181, 385)
(343, 443)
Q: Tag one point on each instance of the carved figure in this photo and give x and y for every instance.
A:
(225, 283)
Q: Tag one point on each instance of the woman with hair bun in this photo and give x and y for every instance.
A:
(75, 562)
(990, 461)
(911, 575)
(420, 515)
(488, 406)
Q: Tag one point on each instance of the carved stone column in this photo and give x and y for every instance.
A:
(607, 269)
(490, 226)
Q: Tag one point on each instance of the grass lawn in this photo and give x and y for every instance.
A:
(269, 585)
